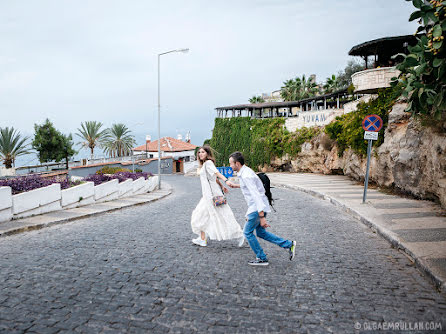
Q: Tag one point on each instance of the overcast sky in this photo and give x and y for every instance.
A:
(74, 61)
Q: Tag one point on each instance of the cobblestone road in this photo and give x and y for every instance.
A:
(136, 271)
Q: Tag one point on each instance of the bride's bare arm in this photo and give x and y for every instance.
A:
(224, 179)
(224, 189)
(220, 176)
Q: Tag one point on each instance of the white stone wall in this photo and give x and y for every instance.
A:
(125, 188)
(374, 78)
(174, 155)
(138, 186)
(37, 201)
(106, 191)
(51, 198)
(7, 171)
(5, 203)
(191, 165)
(312, 118)
(153, 184)
(351, 106)
(182, 154)
(80, 195)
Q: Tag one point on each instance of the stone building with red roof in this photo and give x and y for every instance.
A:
(180, 151)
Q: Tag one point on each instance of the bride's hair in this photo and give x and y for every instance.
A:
(209, 156)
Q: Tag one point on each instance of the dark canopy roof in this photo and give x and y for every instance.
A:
(384, 46)
(282, 104)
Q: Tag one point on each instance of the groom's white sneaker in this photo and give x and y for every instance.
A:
(198, 241)
(241, 241)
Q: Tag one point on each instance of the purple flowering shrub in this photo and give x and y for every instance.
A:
(120, 176)
(27, 183)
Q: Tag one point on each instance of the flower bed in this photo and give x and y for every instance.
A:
(27, 183)
(120, 176)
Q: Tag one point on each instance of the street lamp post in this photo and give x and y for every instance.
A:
(159, 113)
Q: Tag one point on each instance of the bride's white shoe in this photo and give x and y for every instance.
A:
(198, 241)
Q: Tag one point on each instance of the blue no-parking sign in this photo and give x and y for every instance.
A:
(226, 171)
(372, 123)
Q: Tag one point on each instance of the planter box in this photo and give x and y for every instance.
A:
(5, 204)
(138, 186)
(80, 195)
(106, 191)
(126, 188)
(37, 201)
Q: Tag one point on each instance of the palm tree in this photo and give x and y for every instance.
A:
(309, 88)
(92, 135)
(291, 90)
(119, 141)
(331, 85)
(256, 99)
(11, 146)
(298, 89)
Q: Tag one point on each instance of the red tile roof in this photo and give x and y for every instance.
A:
(168, 144)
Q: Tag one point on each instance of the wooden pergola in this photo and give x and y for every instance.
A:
(383, 49)
(275, 109)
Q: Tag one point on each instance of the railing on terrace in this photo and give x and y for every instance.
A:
(55, 166)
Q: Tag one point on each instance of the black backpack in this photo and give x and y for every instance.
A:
(267, 185)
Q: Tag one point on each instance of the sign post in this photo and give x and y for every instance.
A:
(371, 124)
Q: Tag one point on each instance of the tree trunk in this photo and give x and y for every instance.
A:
(8, 163)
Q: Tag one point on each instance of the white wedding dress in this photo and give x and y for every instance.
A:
(219, 222)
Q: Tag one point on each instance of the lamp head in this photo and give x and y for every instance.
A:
(183, 50)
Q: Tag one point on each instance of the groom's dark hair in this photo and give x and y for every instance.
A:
(238, 156)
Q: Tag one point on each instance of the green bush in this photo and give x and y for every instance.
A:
(260, 140)
(423, 71)
(111, 170)
(347, 129)
(293, 140)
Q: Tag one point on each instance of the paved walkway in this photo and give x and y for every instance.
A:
(416, 227)
(67, 215)
(135, 270)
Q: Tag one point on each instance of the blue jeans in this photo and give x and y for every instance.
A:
(252, 224)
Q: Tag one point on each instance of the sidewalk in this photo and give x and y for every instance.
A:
(68, 215)
(416, 227)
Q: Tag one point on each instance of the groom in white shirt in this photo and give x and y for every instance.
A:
(258, 206)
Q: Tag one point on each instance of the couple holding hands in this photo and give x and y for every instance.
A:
(219, 223)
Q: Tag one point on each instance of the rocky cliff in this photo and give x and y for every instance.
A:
(412, 159)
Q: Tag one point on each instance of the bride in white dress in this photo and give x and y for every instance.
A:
(209, 221)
